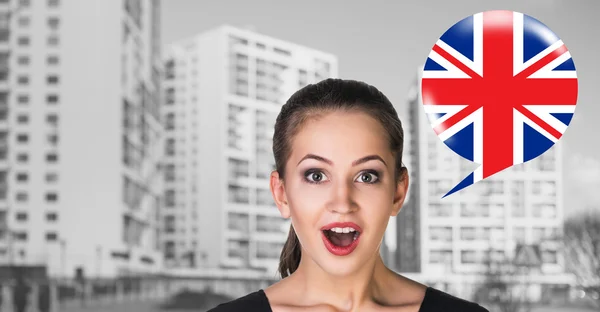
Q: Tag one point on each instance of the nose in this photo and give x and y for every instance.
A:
(342, 198)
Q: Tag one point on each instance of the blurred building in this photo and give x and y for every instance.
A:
(447, 241)
(80, 135)
(223, 91)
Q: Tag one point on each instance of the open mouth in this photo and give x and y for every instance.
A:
(341, 237)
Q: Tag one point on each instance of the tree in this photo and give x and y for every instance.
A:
(582, 252)
(503, 285)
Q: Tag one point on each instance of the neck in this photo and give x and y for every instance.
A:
(346, 293)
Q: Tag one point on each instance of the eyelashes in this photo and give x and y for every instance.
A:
(316, 176)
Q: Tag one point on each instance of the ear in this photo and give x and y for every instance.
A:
(278, 191)
(400, 194)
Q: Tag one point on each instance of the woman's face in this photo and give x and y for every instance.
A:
(327, 182)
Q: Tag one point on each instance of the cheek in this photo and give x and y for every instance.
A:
(375, 210)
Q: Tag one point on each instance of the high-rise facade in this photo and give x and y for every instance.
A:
(80, 135)
(223, 91)
(448, 240)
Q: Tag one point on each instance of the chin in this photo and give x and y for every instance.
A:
(339, 266)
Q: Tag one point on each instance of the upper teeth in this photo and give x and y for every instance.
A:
(342, 230)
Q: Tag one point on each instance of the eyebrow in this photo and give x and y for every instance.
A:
(354, 163)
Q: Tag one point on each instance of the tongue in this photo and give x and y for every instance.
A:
(341, 239)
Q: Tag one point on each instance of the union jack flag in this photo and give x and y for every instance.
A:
(499, 88)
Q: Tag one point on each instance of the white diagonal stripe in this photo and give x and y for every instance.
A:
(461, 58)
(547, 71)
(451, 72)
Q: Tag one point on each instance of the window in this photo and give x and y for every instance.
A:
(20, 236)
(21, 216)
(23, 41)
(467, 233)
(51, 177)
(52, 99)
(440, 210)
(22, 138)
(22, 197)
(52, 60)
(170, 147)
(52, 119)
(24, 3)
(549, 256)
(51, 197)
(23, 60)
(519, 234)
(22, 158)
(53, 22)
(170, 122)
(23, 99)
(468, 256)
(53, 40)
(23, 80)
(51, 236)
(170, 173)
(440, 256)
(23, 119)
(440, 234)
(22, 177)
(53, 139)
(51, 216)
(170, 224)
(52, 79)
(169, 250)
(170, 198)
(24, 21)
(53, 3)
(51, 157)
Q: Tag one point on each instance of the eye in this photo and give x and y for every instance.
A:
(314, 176)
(369, 177)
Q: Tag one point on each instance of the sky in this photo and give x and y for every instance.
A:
(383, 42)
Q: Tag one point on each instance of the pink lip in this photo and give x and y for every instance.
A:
(337, 250)
(342, 225)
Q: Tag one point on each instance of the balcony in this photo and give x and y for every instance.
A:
(238, 222)
(238, 249)
(270, 224)
(268, 250)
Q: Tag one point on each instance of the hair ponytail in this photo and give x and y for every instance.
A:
(290, 255)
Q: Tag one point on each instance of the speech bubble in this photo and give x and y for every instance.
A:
(499, 89)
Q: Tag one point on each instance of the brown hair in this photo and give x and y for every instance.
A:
(316, 100)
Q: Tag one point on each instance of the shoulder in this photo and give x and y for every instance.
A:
(252, 302)
(437, 301)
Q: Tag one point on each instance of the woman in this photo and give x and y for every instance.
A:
(339, 176)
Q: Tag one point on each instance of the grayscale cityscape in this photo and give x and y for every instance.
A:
(136, 150)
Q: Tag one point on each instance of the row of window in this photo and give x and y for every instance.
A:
(23, 197)
(480, 256)
(24, 177)
(50, 99)
(52, 40)
(50, 79)
(241, 195)
(23, 216)
(22, 236)
(471, 233)
(27, 3)
(51, 119)
(233, 41)
(26, 60)
(52, 22)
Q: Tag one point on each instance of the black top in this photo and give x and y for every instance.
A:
(434, 301)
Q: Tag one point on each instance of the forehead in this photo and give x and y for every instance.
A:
(341, 135)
